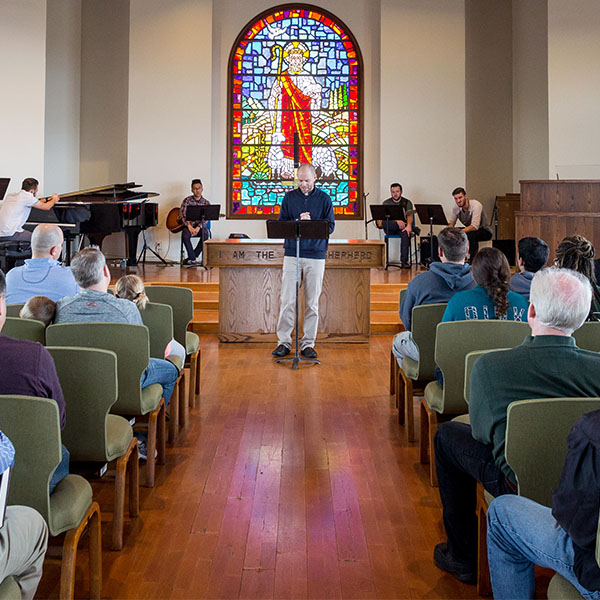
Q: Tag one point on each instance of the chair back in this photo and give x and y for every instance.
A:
(587, 336)
(158, 318)
(25, 329)
(401, 295)
(88, 378)
(13, 310)
(32, 425)
(536, 441)
(469, 362)
(425, 319)
(181, 300)
(455, 339)
(129, 342)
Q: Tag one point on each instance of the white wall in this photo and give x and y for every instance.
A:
(63, 95)
(530, 90)
(169, 141)
(23, 69)
(574, 88)
(422, 99)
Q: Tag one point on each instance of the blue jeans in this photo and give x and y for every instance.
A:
(522, 533)
(62, 470)
(163, 372)
(461, 461)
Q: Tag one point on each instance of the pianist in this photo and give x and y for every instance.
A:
(41, 275)
(15, 210)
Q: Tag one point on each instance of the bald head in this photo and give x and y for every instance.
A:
(46, 241)
(306, 178)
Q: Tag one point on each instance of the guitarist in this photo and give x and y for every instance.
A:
(193, 229)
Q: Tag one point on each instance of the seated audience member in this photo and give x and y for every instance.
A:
(41, 275)
(439, 284)
(402, 227)
(15, 209)
(533, 256)
(490, 298)
(522, 533)
(471, 214)
(23, 537)
(94, 303)
(32, 373)
(131, 287)
(547, 364)
(577, 253)
(39, 308)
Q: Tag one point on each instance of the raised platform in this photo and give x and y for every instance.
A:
(384, 305)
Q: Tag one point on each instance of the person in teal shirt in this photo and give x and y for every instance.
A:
(491, 297)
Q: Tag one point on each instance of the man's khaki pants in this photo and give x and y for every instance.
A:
(23, 542)
(311, 276)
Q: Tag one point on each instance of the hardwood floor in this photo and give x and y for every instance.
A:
(286, 484)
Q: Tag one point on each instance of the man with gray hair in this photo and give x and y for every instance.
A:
(41, 275)
(93, 303)
(547, 364)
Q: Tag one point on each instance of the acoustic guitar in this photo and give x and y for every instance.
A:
(174, 223)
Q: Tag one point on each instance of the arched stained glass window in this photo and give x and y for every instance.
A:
(295, 97)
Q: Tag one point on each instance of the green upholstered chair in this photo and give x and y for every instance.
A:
(470, 359)
(13, 310)
(454, 340)
(32, 425)
(560, 588)
(158, 318)
(181, 299)
(24, 329)
(131, 345)
(588, 336)
(536, 448)
(88, 378)
(9, 589)
(413, 376)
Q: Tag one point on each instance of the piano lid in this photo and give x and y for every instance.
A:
(117, 192)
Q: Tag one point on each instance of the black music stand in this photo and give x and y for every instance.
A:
(387, 213)
(434, 215)
(201, 214)
(307, 230)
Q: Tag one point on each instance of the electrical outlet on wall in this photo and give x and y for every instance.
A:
(158, 247)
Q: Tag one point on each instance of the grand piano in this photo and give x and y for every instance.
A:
(98, 212)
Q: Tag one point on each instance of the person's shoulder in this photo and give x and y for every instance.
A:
(24, 348)
(63, 302)
(517, 299)
(14, 273)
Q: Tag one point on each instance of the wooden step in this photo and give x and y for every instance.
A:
(206, 301)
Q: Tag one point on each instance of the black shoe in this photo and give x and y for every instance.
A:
(280, 351)
(404, 265)
(188, 262)
(309, 352)
(462, 571)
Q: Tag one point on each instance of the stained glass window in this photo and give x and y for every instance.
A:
(295, 92)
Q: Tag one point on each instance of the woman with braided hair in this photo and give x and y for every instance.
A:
(577, 253)
(491, 297)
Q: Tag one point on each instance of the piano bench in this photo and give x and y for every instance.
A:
(12, 253)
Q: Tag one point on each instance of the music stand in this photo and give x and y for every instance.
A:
(4, 181)
(434, 215)
(387, 213)
(307, 230)
(201, 214)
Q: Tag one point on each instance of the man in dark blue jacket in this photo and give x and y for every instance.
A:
(306, 202)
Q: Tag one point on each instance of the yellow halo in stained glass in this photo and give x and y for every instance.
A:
(296, 48)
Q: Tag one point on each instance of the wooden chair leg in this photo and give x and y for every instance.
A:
(484, 585)
(192, 382)
(69, 555)
(174, 413)
(408, 408)
(433, 425)
(400, 391)
(161, 435)
(134, 482)
(198, 365)
(119, 501)
(184, 409)
(393, 364)
(151, 446)
(424, 437)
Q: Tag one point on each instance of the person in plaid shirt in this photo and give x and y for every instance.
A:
(193, 228)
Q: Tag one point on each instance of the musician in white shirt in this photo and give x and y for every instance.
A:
(15, 210)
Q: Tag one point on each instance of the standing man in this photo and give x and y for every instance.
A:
(402, 226)
(193, 228)
(472, 215)
(16, 208)
(304, 203)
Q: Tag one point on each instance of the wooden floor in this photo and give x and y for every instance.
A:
(286, 484)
